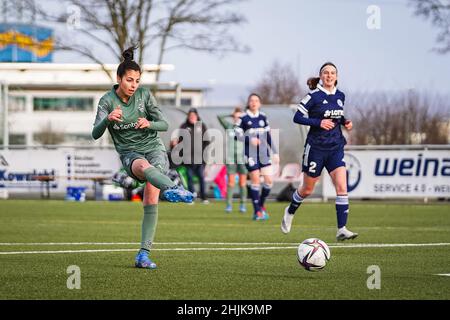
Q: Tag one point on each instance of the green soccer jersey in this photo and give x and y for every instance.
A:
(125, 137)
(235, 147)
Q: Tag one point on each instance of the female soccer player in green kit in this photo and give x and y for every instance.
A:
(235, 161)
(133, 119)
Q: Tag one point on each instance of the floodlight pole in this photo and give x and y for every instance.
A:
(4, 104)
(178, 95)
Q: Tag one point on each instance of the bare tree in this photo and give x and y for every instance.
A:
(153, 25)
(14, 11)
(438, 11)
(407, 119)
(278, 85)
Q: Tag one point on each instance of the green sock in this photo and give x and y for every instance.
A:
(159, 180)
(243, 194)
(149, 223)
(229, 195)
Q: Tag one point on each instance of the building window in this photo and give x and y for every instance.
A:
(63, 104)
(17, 104)
(17, 139)
(185, 102)
(78, 138)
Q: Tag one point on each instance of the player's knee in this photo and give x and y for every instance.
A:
(268, 181)
(140, 166)
(341, 190)
(306, 192)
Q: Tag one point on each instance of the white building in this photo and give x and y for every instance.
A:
(62, 99)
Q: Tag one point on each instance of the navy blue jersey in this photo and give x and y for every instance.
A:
(256, 126)
(320, 104)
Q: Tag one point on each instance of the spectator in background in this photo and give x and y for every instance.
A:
(194, 161)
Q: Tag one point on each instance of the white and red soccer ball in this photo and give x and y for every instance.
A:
(313, 254)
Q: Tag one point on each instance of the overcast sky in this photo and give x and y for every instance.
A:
(305, 34)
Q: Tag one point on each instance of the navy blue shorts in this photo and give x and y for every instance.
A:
(253, 164)
(314, 160)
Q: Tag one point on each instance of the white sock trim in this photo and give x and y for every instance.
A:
(297, 197)
(342, 200)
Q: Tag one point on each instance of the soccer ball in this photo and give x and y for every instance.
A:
(313, 254)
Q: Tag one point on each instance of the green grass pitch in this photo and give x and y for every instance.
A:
(203, 253)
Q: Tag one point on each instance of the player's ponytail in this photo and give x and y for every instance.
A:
(312, 83)
(128, 62)
(237, 110)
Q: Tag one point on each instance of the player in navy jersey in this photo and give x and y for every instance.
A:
(254, 127)
(323, 110)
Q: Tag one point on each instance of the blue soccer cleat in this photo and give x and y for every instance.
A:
(178, 194)
(259, 216)
(228, 209)
(242, 208)
(264, 213)
(143, 261)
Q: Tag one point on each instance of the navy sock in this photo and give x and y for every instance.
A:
(296, 202)
(265, 193)
(254, 195)
(342, 210)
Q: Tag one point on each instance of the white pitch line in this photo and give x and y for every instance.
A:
(66, 243)
(127, 250)
(443, 274)
(362, 245)
(138, 243)
(388, 245)
(331, 245)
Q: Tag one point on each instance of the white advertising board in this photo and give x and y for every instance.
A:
(395, 174)
(21, 170)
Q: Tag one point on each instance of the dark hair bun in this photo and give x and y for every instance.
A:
(312, 83)
(128, 54)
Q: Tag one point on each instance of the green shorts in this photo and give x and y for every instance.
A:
(236, 168)
(156, 158)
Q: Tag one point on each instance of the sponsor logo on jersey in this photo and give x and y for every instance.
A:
(124, 126)
(335, 114)
(256, 130)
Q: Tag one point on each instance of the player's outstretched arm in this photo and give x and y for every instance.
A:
(225, 124)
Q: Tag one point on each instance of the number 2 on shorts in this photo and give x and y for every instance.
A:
(312, 167)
